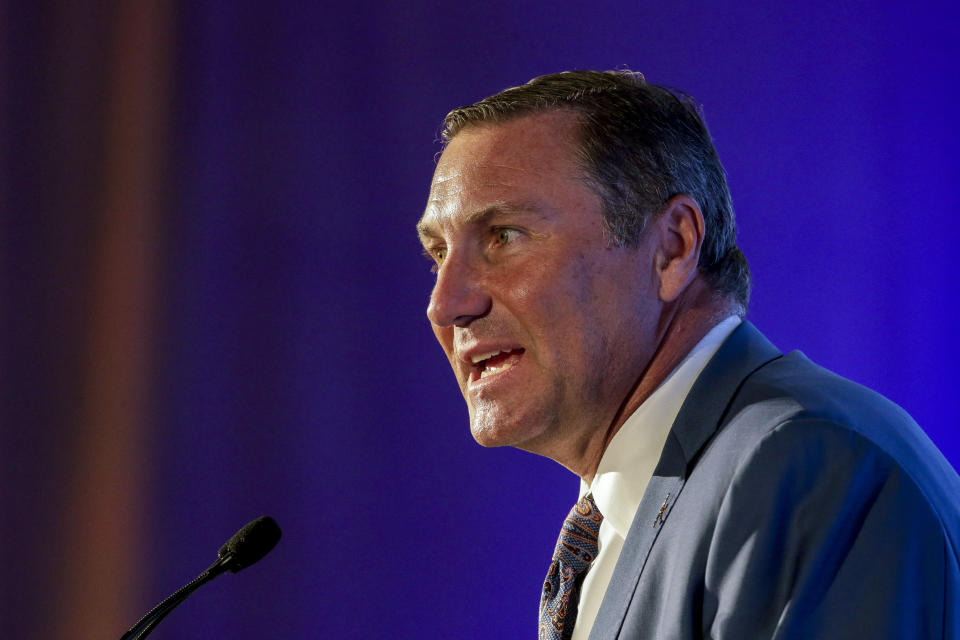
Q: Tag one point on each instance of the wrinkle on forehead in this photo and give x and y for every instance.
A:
(442, 175)
(498, 159)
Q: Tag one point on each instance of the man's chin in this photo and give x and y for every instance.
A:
(499, 434)
(495, 433)
(487, 437)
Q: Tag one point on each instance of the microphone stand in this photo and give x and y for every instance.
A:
(146, 624)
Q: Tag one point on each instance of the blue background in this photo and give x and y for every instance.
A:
(289, 366)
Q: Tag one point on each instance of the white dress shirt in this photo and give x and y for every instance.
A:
(628, 464)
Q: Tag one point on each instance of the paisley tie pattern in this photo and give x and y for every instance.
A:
(576, 549)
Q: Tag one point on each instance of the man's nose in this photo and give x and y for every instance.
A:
(459, 295)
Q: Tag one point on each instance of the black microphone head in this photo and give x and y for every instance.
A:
(250, 544)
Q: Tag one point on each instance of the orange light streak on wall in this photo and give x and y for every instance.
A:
(101, 590)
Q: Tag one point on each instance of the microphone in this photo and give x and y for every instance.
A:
(246, 546)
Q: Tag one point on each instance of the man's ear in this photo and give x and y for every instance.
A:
(680, 229)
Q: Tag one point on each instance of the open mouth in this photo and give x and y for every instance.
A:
(488, 364)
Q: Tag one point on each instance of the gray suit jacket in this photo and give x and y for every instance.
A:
(789, 503)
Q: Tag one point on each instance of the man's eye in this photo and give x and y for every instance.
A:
(436, 256)
(505, 236)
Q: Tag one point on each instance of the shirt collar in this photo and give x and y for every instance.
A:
(632, 455)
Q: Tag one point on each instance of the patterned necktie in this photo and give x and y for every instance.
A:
(576, 549)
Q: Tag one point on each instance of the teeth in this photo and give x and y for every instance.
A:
(483, 356)
(489, 371)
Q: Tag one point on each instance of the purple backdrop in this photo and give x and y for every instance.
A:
(294, 370)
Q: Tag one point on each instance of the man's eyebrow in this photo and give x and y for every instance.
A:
(426, 229)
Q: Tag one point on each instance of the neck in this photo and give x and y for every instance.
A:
(682, 326)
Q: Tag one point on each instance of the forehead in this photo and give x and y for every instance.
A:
(519, 163)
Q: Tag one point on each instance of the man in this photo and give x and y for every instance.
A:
(590, 297)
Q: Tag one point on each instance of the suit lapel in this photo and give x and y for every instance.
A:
(745, 351)
(658, 499)
(742, 353)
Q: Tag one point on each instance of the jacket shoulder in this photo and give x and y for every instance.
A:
(801, 400)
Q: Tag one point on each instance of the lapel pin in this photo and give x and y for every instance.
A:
(663, 508)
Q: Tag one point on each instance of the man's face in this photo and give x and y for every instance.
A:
(547, 324)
